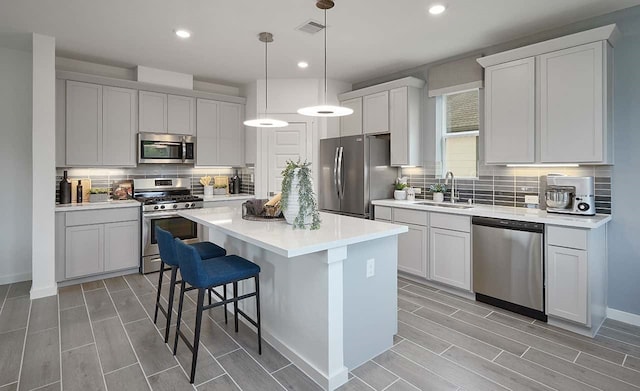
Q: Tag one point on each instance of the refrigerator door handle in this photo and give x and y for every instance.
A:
(335, 173)
(340, 168)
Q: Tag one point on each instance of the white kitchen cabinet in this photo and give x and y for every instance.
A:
(573, 105)
(181, 115)
(351, 125)
(152, 112)
(83, 124)
(84, 253)
(121, 245)
(119, 115)
(509, 130)
(567, 283)
(231, 135)
(375, 113)
(404, 126)
(61, 125)
(450, 257)
(207, 132)
(412, 250)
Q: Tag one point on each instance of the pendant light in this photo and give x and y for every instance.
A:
(325, 110)
(266, 122)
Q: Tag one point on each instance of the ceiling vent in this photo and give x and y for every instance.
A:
(311, 27)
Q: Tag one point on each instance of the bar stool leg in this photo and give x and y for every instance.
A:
(196, 339)
(209, 292)
(224, 296)
(235, 304)
(258, 313)
(175, 343)
(155, 315)
(172, 290)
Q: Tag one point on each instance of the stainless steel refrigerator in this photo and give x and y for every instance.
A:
(353, 171)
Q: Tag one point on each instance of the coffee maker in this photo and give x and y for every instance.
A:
(234, 184)
(570, 195)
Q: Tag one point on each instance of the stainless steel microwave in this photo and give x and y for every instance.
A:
(166, 148)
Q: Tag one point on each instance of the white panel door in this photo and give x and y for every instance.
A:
(567, 283)
(84, 250)
(509, 132)
(412, 250)
(181, 115)
(152, 112)
(84, 124)
(450, 257)
(572, 105)
(207, 133)
(121, 245)
(289, 143)
(375, 113)
(231, 135)
(119, 126)
(351, 125)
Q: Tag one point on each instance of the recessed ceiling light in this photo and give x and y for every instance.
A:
(183, 33)
(437, 9)
(303, 64)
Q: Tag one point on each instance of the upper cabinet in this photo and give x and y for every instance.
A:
(163, 113)
(392, 107)
(220, 134)
(542, 98)
(118, 126)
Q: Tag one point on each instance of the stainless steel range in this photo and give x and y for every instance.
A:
(162, 198)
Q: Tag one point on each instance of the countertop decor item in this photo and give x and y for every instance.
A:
(262, 210)
(438, 190)
(122, 190)
(206, 182)
(299, 203)
(400, 192)
(65, 189)
(98, 194)
(219, 189)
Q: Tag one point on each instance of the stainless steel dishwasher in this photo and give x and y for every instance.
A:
(508, 265)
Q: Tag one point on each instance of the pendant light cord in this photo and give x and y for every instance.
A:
(266, 78)
(325, 56)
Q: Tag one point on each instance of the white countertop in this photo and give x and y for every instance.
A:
(505, 212)
(97, 205)
(280, 237)
(228, 197)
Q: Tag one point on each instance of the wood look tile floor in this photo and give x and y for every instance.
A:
(100, 336)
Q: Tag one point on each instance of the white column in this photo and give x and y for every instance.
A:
(44, 163)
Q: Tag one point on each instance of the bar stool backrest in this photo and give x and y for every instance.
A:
(166, 246)
(191, 267)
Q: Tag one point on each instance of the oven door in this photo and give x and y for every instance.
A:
(180, 227)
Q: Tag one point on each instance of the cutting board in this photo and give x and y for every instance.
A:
(86, 187)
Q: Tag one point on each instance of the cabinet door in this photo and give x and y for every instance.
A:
(572, 105)
(61, 125)
(351, 125)
(119, 126)
(207, 133)
(152, 112)
(509, 132)
(231, 135)
(375, 109)
(84, 124)
(84, 250)
(181, 115)
(121, 245)
(567, 283)
(450, 257)
(412, 250)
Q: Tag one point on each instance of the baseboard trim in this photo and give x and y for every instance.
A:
(44, 292)
(626, 317)
(12, 278)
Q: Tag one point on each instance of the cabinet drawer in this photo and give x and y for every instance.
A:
(567, 237)
(410, 216)
(452, 222)
(382, 213)
(101, 216)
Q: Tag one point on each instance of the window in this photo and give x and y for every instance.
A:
(459, 126)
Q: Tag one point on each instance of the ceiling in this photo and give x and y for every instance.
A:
(366, 38)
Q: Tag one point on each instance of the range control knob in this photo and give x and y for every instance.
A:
(155, 207)
(175, 206)
(583, 206)
(186, 205)
(161, 206)
(193, 204)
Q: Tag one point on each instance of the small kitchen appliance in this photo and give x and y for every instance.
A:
(234, 184)
(570, 195)
(161, 199)
(166, 148)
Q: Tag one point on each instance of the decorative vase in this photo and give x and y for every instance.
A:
(293, 202)
(400, 194)
(438, 197)
(208, 190)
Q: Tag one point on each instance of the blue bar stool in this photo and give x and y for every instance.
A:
(203, 275)
(167, 247)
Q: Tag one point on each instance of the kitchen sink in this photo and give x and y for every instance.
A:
(446, 205)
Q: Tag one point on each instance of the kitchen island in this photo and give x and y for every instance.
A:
(328, 297)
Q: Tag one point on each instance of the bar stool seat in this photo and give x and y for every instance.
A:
(223, 270)
(208, 250)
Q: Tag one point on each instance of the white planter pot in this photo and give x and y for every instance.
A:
(293, 203)
(438, 197)
(208, 190)
(400, 194)
(103, 197)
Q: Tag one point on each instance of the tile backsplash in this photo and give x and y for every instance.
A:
(105, 177)
(506, 186)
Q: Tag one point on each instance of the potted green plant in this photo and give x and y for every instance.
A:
(400, 186)
(438, 190)
(299, 204)
(98, 194)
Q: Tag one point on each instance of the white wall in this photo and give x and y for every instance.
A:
(15, 170)
(43, 166)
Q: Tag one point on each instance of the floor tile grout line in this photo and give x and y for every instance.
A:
(498, 355)
(620, 331)
(19, 328)
(439, 354)
(47, 385)
(105, 319)
(4, 299)
(525, 352)
(8, 384)
(488, 315)
(621, 341)
(607, 375)
(279, 369)
(77, 347)
(364, 382)
(60, 340)
(575, 360)
(625, 359)
(68, 308)
(163, 371)
(119, 369)
(93, 335)
(24, 344)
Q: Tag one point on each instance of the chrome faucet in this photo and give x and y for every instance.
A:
(453, 185)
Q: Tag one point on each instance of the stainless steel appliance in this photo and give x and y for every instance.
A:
(166, 148)
(353, 171)
(162, 198)
(508, 267)
(570, 194)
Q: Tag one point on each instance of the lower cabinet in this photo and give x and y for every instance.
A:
(84, 253)
(567, 283)
(412, 250)
(450, 257)
(121, 241)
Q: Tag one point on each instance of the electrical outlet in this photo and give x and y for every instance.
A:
(371, 267)
(531, 199)
(417, 190)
